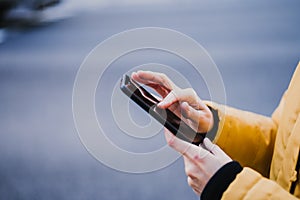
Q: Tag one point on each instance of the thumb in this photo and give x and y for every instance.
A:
(168, 100)
(208, 144)
(182, 95)
(217, 151)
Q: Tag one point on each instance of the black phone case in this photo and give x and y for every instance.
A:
(166, 117)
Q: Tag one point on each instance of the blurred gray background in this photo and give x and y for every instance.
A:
(255, 45)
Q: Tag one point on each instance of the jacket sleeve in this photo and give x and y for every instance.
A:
(234, 182)
(247, 137)
(249, 184)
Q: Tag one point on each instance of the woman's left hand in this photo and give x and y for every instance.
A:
(201, 162)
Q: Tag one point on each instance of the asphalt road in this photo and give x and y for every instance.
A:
(255, 46)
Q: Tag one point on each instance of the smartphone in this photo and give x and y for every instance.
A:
(164, 116)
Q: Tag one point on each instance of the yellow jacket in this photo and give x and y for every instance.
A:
(264, 146)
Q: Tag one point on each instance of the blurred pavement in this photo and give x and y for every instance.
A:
(255, 45)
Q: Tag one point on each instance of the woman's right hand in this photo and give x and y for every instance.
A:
(185, 103)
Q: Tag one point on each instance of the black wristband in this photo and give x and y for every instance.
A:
(220, 181)
(213, 132)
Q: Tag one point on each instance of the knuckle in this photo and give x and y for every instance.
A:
(196, 157)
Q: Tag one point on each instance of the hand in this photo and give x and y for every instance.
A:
(183, 102)
(201, 162)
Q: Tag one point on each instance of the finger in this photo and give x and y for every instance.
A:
(177, 144)
(183, 95)
(208, 144)
(200, 118)
(197, 192)
(193, 184)
(189, 150)
(191, 169)
(190, 113)
(197, 119)
(136, 77)
(148, 77)
(159, 88)
(216, 150)
(169, 100)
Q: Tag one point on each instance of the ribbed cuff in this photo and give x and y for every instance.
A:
(220, 181)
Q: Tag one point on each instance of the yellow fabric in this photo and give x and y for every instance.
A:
(268, 145)
(246, 137)
(250, 185)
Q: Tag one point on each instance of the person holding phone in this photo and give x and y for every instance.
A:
(254, 156)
